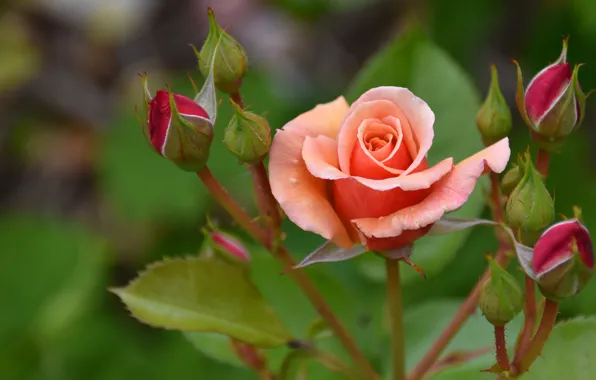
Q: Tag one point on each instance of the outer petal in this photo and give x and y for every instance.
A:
(418, 114)
(303, 197)
(324, 119)
(447, 195)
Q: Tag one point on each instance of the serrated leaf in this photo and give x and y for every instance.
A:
(196, 294)
(569, 353)
(414, 61)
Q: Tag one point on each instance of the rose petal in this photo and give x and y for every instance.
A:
(322, 163)
(411, 108)
(447, 195)
(324, 119)
(347, 139)
(303, 197)
(387, 162)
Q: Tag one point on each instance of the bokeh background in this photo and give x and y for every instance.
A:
(84, 204)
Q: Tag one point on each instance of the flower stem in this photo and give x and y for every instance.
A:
(549, 316)
(394, 299)
(530, 317)
(237, 98)
(501, 347)
(543, 162)
(462, 315)
(284, 257)
(265, 200)
(496, 197)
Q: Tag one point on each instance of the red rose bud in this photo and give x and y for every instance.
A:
(229, 57)
(228, 244)
(553, 104)
(180, 130)
(494, 118)
(563, 259)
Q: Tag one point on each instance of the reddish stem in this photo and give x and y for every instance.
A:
(530, 317)
(265, 200)
(496, 197)
(237, 98)
(501, 347)
(284, 257)
(525, 360)
(543, 162)
(466, 310)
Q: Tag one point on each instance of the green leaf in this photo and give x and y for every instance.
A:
(415, 62)
(214, 345)
(197, 294)
(569, 353)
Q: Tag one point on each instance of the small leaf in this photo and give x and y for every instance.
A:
(329, 252)
(569, 353)
(203, 295)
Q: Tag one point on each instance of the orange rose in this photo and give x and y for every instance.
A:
(359, 174)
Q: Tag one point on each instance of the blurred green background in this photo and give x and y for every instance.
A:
(85, 204)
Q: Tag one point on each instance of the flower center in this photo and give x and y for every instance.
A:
(381, 151)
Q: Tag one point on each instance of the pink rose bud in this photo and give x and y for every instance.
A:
(228, 244)
(553, 104)
(563, 259)
(178, 128)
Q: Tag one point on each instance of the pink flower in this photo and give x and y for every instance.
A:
(360, 174)
(229, 244)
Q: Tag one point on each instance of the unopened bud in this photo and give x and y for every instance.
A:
(530, 208)
(494, 118)
(563, 260)
(501, 297)
(553, 104)
(510, 180)
(248, 135)
(230, 58)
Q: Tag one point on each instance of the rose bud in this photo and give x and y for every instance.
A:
(230, 58)
(563, 260)
(553, 104)
(510, 180)
(230, 245)
(501, 297)
(248, 136)
(530, 208)
(494, 118)
(178, 128)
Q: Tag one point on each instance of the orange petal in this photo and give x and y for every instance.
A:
(303, 197)
(410, 108)
(448, 194)
(389, 161)
(347, 138)
(324, 119)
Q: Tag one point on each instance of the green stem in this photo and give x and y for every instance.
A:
(394, 300)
